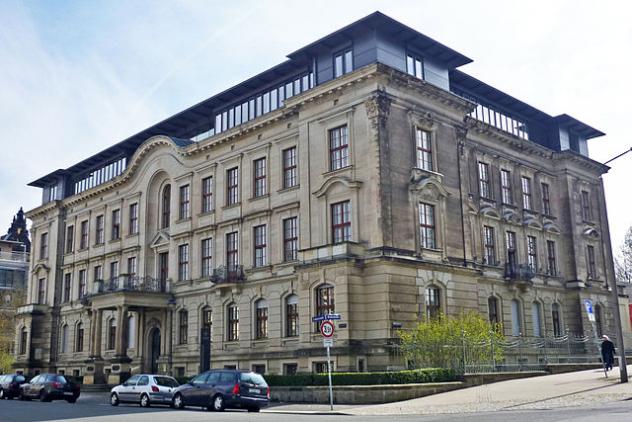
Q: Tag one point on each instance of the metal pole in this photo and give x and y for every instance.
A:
(331, 390)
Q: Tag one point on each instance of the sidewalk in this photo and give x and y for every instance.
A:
(549, 391)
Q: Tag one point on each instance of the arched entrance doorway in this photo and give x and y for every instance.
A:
(154, 350)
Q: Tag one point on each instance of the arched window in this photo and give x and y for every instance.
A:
(131, 332)
(536, 315)
(599, 320)
(79, 337)
(433, 302)
(111, 334)
(291, 316)
(324, 301)
(64, 339)
(492, 304)
(24, 336)
(261, 307)
(557, 322)
(516, 318)
(233, 322)
(165, 207)
(183, 318)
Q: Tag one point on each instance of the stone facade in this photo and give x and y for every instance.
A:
(157, 315)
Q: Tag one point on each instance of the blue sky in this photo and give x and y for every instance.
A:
(78, 76)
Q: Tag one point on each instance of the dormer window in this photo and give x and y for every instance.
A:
(343, 63)
(415, 66)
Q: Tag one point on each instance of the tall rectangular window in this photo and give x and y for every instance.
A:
(41, 291)
(100, 230)
(551, 258)
(261, 308)
(343, 63)
(207, 257)
(586, 211)
(132, 267)
(424, 150)
(207, 194)
(233, 323)
(83, 283)
(114, 271)
(532, 252)
(290, 239)
(259, 180)
(341, 221)
(338, 148)
(44, 246)
(483, 180)
(183, 327)
(67, 286)
(546, 199)
(185, 202)
(70, 238)
(259, 234)
(232, 251)
(116, 224)
(83, 241)
(505, 187)
(527, 203)
(289, 168)
(592, 266)
(291, 315)
(183, 262)
(510, 245)
(427, 236)
(232, 186)
(133, 218)
(98, 273)
(490, 246)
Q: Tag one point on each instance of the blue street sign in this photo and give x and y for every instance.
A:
(326, 317)
(589, 306)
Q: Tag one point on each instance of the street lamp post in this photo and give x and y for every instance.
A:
(615, 297)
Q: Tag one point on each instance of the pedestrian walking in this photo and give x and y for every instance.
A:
(607, 352)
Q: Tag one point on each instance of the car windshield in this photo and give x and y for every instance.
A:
(166, 382)
(60, 379)
(253, 378)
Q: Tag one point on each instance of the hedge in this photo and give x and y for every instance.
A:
(364, 378)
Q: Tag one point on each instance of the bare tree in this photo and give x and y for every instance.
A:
(623, 263)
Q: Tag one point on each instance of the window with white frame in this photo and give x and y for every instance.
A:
(291, 316)
(260, 245)
(427, 228)
(505, 187)
(261, 315)
(532, 252)
(259, 177)
(290, 239)
(207, 257)
(490, 245)
(527, 202)
(343, 63)
(424, 149)
(290, 177)
(484, 181)
(207, 194)
(183, 262)
(338, 148)
(433, 302)
(185, 202)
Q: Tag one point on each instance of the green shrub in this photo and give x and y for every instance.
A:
(364, 378)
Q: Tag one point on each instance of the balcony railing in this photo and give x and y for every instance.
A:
(226, 275)
(519, 272)
(134, 283)
(14, 256)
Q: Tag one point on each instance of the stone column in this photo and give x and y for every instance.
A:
(121, 329)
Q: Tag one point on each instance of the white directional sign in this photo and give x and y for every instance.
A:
(328, 342)
(327, 329)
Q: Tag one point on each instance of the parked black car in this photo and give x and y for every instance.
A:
(47, 387)
(10, 385)
(224, 388)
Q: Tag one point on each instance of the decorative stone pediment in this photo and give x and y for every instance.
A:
(39, 267)
(531, 220)
(590, 232)
(488, 210)
(329, 183)
(550, 226)
(428, 184)
(509, 215)
(160, 239)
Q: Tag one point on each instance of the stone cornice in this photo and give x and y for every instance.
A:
(582, 161)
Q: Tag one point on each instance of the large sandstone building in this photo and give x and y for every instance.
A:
(366, 175)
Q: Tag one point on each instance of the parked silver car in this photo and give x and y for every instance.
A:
(144, 389)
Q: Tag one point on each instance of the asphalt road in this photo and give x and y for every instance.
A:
(96, 408)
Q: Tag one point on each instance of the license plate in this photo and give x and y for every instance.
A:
(68, 394)
(254, 391)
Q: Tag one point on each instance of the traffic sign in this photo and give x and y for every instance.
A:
(589, 310)
(328, 342)
(327, 329)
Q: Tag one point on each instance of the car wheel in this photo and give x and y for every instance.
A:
(144, 401)
(178, 401)
(253, 409)
(114, 399)
(43, 396)
(218, 403)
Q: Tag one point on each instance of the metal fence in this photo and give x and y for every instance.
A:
(510, 354)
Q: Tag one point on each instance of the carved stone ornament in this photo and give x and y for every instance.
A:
(377, 109)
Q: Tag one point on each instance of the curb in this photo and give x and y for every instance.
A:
(309, 412)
